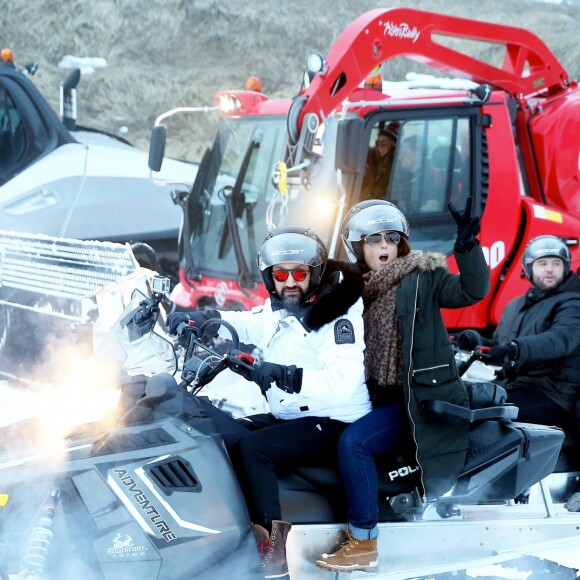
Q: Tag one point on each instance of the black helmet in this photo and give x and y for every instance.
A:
(292, 244)
(369, 217)
(544, 246)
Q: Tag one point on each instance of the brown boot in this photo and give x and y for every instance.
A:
(272, 548)
(262, 540)
(351, 555)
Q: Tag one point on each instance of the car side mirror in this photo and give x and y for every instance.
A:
(350, 152)
(157, 147)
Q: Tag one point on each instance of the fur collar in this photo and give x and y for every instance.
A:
(431, 261)
(341, 286)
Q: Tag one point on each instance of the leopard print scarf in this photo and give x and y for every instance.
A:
(383, 352)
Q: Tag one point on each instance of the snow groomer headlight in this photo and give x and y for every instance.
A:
(229, 103)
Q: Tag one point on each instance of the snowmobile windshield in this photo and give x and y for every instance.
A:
(239, 174)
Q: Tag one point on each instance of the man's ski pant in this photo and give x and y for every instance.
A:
(261, 444)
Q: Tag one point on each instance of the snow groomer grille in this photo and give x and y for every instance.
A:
(175, 474)
(61, 267)
(49, 291)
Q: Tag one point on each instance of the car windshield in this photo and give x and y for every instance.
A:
(240, 166)
(430, 166)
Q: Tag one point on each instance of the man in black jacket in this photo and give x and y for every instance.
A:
(537, 340)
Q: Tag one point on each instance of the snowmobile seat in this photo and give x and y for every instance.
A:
(504, 458)
(398, 475)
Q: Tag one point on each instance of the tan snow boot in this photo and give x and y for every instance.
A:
(351, 555)
(272, 548)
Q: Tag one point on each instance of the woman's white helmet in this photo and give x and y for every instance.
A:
(542, 247)
(369, 217)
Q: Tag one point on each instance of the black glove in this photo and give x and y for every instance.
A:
(174, 320)
(287, 378)
(198, 317)
(498, 354)
(469, 340)
(467, 227)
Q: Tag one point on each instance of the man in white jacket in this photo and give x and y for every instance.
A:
(311, 333)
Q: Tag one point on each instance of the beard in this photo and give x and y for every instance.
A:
(292, 303)
(547, 287)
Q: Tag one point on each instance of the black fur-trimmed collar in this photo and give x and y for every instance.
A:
(341, 286)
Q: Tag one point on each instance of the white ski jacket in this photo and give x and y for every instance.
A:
(328, 344)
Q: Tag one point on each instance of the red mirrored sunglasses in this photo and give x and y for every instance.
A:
(298, 275)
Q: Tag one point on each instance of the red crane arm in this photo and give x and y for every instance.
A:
(379, 35)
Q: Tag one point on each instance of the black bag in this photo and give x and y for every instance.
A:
(485, 394)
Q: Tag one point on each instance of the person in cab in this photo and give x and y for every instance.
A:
(380, 164)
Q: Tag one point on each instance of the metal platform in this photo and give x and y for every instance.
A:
(507, 538)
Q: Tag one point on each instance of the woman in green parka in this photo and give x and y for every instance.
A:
(408, 360)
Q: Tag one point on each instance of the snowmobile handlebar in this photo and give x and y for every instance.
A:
(478, 354)
(198, 371)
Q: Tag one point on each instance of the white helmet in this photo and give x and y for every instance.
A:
(369, 217)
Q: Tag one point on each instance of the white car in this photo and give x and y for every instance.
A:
(79, 183)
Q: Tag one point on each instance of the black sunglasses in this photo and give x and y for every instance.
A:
(377, 239)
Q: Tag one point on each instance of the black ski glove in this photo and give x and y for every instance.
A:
(469, 340)
(467, 227)
(287, 378)
(198, 317)
(498, 354)
(175, 319)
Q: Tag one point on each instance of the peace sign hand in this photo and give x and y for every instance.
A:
(467, 226)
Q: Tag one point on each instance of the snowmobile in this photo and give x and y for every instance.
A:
(152, 494)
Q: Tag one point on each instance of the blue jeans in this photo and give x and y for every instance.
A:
(380, 431)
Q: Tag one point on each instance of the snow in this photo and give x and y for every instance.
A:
(16, 404)
(557, 2)
(87, 65)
